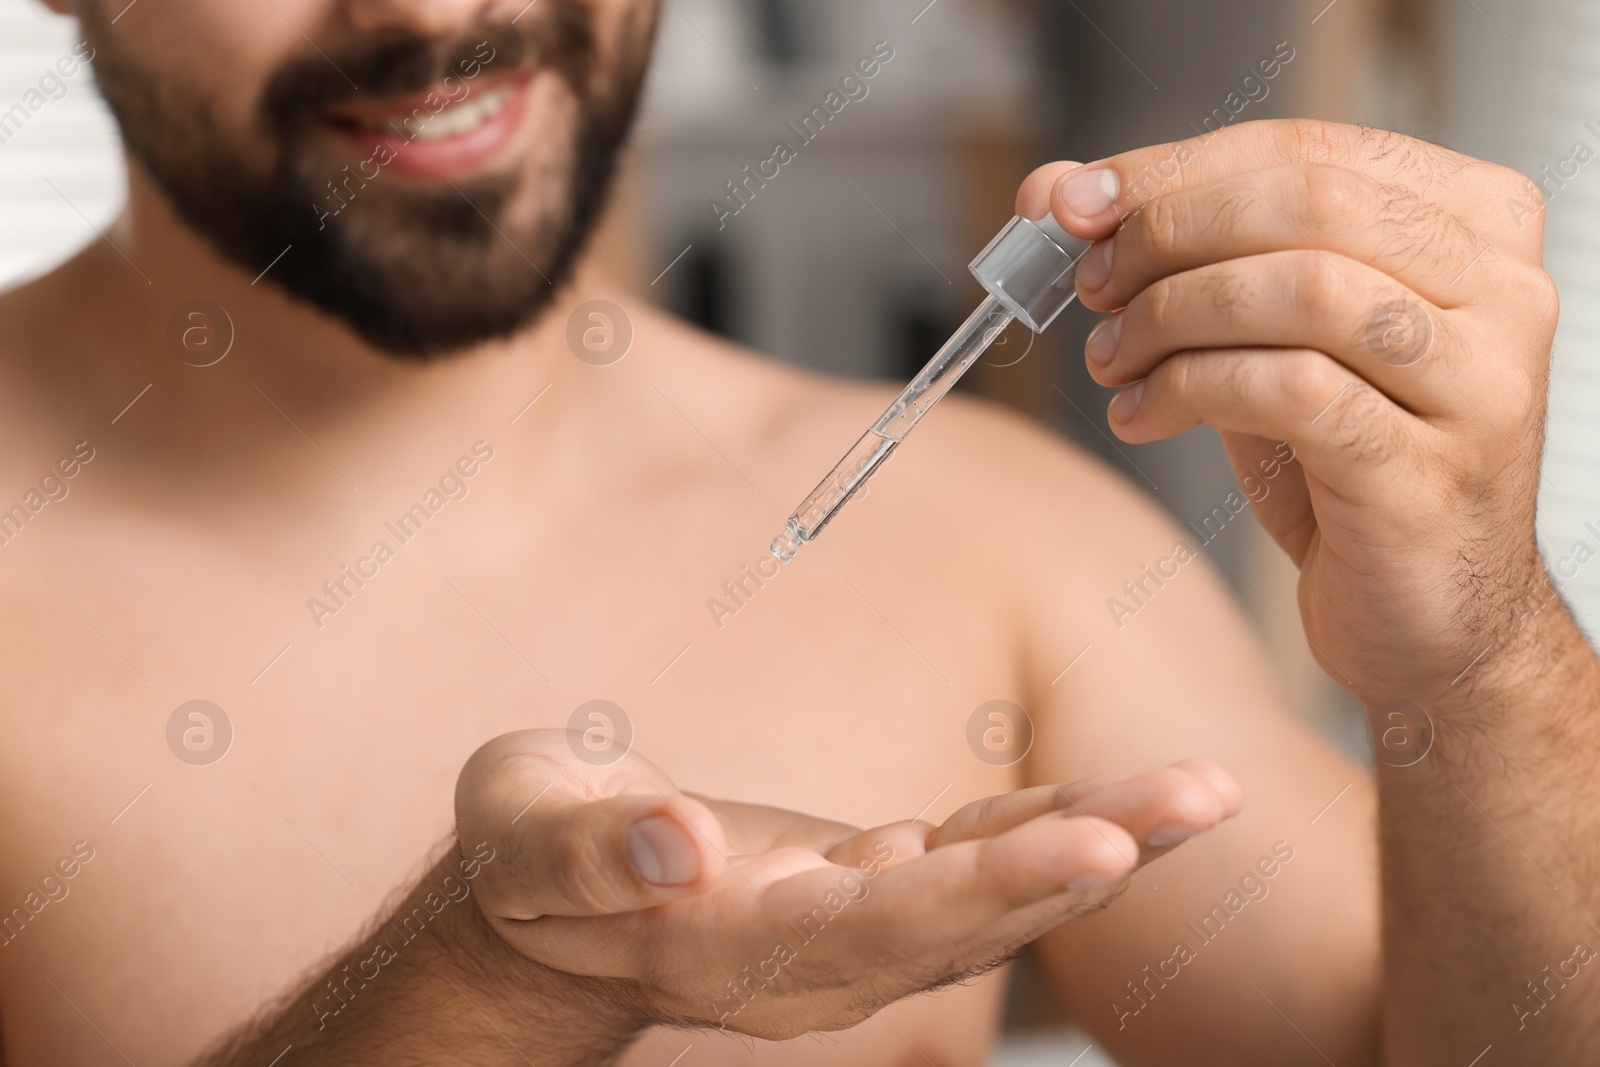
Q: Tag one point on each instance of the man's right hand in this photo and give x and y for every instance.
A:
(700, 912)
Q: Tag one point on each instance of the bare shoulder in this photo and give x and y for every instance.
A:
(44, 337)
(39, 441)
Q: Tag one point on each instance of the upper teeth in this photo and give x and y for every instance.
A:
(450, 121)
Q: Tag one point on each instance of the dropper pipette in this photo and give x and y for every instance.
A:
(1029, 271)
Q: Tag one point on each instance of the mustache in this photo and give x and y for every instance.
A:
(560, 37)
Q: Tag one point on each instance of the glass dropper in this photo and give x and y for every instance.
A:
(1029, 271)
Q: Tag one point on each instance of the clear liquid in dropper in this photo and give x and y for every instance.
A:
(875, 446)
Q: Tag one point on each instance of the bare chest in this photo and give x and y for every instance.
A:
(253, 745)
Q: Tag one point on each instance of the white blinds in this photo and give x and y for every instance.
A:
(53, 130)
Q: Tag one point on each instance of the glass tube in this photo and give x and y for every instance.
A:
(878, 443)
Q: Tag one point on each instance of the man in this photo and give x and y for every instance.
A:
(397, 539)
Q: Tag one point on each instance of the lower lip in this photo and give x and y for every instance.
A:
(447, 157)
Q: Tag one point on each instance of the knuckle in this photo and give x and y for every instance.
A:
(1331, 198)
(1512, 184)
(1309, 380)
(1178, 374)
(1196, 374)
(1410, 227)
(577, 870)
(1166, 306)
(1231, 292)
(1317, 289)
(1418, 163)
(1521, 387)
(1313, 141)
(1230, 210)
(1163, 222)
(1515, 396)
(1160, 306)
(1538, 295)
(1526, 202)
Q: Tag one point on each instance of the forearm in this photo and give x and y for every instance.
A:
(1490, 849)
(432, 983)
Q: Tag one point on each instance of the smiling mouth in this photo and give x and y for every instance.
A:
(414, 120)
(445, 140)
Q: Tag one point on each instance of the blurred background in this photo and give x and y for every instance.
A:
(853, 260)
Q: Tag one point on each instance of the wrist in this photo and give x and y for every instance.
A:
(1538, 646)
(567, 1018)
(433, 980)
(1534, 658)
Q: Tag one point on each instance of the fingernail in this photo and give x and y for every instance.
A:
(1092, 880)
(1094, 269)
(1168, 834)
(662, 853)
(1103, 340)
(1089, 192)
(1125, 405)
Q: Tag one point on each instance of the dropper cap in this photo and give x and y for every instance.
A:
(1031, 268)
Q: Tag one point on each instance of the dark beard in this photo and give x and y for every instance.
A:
(415, 273)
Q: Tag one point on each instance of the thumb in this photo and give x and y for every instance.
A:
(570, 852)
(600, 857)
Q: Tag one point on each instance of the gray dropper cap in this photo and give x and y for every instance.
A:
(1031, 267)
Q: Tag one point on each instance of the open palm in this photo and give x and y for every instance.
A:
(774, 923)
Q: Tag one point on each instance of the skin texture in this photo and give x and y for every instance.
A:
(581, 563)
(360, 743)
(356, 737)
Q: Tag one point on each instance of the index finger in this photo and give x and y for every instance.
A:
(1092, 200)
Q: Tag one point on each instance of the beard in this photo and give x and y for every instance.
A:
(416, 272)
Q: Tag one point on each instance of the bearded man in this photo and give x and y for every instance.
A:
(326, 492)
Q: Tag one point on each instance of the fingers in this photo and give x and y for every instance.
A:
(1158, 808)
(995, 815)
(1092, 202)
(1339, 425)
(1001, 891)
(1222, 783)
(881, 933)
(908, 903)
(882, 845)
(1275, 485)
(1376, 327)
(580, 840)
(1166, 807)
(958, 891)
(1335, 210)
(1005, 865)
